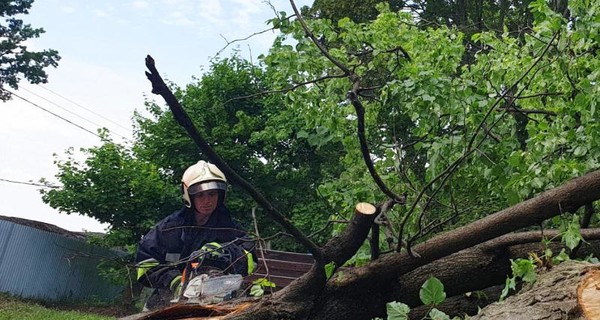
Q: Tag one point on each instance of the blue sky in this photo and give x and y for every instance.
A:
(100, 80)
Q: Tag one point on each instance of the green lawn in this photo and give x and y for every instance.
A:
(13, 308)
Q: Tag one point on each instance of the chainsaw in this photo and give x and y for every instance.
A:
(208, 285)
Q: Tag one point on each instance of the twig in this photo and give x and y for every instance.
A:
(294, 87)
(228, 43)
(260, 246)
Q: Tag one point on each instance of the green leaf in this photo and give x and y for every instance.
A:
(427, 97)
(508, 285)
(432, 291)
(524, 269)
(580, 151)
(302, 134)
(571, 236)
(561, 257)
(397, 311)
(257, 291)
(436, 314)
(329, 269)
(264, 282)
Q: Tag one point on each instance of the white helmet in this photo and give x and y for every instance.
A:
(200, 177)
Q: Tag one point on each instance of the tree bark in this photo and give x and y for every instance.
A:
(553, 296)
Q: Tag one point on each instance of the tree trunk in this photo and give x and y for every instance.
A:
(553, 296)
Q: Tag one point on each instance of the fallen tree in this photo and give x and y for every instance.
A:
(476, 254)
(481, 268)
(362, 292)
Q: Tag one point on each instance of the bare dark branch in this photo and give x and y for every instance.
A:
(160, 88)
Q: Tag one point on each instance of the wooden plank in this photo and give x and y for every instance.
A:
(281, 267)
(286, 256)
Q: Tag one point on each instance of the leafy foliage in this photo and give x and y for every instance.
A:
(16, 60)
(432, 293)
(259, 286)
(523, 269)
(479, 136)
(356, 10)
(571, 234)
(114, 187)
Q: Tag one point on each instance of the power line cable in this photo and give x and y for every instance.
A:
(30, 183)
(87, 109)
(71, 112)
(52, 113)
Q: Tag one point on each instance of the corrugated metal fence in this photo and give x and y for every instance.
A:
(48, 266)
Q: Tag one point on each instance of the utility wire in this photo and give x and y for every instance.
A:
(52, 113)
(84, 108)
(71, 112)
(30, 183)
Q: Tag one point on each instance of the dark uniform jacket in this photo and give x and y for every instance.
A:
(174, 238)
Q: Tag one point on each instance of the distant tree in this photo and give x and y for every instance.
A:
(16, 61)
(114, 187)
(356, 10)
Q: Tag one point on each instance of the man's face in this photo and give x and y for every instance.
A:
(205, 203)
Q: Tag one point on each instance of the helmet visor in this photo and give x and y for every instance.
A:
(204, 186)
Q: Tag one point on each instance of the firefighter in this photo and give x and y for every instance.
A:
(204, 225)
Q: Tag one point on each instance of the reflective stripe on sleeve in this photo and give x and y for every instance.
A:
(144, 266)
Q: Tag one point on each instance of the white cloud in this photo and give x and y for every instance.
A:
(100, 13)
(177, 18)
(67, 9)
(212, 14)
(139, 4)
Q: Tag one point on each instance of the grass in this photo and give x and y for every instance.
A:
(15, 308)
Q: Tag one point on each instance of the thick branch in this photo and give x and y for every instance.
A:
(566, 198)
(160, 88)
(339, 248)
(297, 299)
(343, 246)
(469, 270)
(484, 265)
